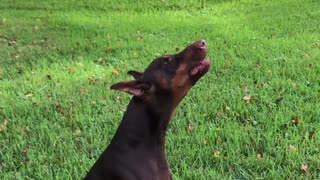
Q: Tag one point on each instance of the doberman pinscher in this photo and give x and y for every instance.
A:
(137, 150)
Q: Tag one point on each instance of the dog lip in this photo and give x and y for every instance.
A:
(201, 69)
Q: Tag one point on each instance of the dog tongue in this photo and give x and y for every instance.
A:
(199, 69)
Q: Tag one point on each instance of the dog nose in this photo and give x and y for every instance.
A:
(202, 43)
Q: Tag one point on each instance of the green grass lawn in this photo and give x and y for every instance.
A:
(255, 115)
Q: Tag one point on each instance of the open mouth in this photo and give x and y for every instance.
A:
(201, 69)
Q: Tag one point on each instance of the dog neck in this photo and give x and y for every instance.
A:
(144, 126)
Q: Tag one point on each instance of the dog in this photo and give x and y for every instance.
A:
(137, 150)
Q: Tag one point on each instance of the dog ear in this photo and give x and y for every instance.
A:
(133, 87)
(136, 75)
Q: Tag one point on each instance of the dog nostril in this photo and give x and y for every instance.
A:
(203, 42)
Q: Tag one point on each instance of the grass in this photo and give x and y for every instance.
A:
(57, 113)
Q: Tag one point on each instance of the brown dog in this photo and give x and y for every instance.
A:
(137, 150)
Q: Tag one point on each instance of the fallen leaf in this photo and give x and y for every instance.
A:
(77, 132)
(100, 60)
(296, 120)
(140, 37)
(108, 35)
(58, 106)
(294, 85)
(35, 28)
(82, 91)
(91, 80)
(219, 114)
(247, 98)
(259, 86)
(12, 43)
(304, 168)
(220, 140)
(71, 70)
(292, 148)
(115, 72)
(26, 161)
(311, 134)
(3, 124)
(307, 55)
(26, 150)
(259, 156)
(216, 154)
(26, 131)
(190, 127)
(28, 95)
(108, 50)
(205, 142)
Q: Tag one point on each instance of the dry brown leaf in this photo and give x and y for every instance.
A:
(12, 43)
(58, 106)
(304, 168)
(296, 120)
(220, 114)
(259, 86)
(216, 154)
(140, 37)
(307, 55)
(294, 85)
(292, 148)
(311, 134)
(71, 70)
(26, 150)
(259, 156)
(247, 98)
(3, 124)
(205, 142)
(108, 50)
(115, 72)
(77, 132)
(26, 161)
(82, 91)
(91, 80)
(190, 127)
(29, 95)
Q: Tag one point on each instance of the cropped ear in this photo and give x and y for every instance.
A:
(135, 74)
(133, 87)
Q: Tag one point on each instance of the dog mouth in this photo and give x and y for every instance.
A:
(201, 69)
